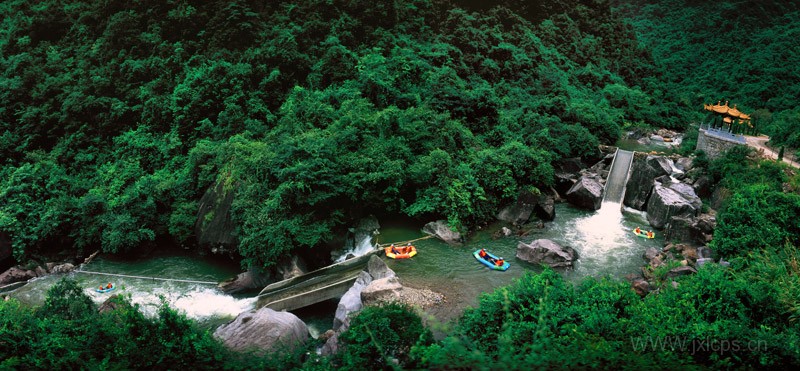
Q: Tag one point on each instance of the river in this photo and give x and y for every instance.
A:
(602, 238)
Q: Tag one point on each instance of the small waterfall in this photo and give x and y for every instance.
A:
(360, 247)
(618, 176)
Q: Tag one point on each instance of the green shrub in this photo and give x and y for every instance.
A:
(380, 336)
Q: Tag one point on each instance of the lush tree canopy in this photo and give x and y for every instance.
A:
(121, 114)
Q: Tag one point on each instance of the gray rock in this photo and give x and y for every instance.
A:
(545, 207)
(109, 305)
(214, 227)
(40, 271)
(695, 230)
(587, 193)
(263, 331)
(671, 199)
(702, 186)
(442, 231)
(546, 252)
(378, 269)
(703, 261)
(683, 270)
(641, 287)
(516, 213)
(351, 300)
(651, 253)
(252, 279)
(684, 164)
(644, 169)
(528, 204)
(384, 289)
(566, 174)
(16, 274)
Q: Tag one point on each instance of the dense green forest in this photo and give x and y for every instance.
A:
(117, 116)
(744, 52)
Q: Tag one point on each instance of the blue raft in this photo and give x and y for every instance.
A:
(490, 262)
(106, 290)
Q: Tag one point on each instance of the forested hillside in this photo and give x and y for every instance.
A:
(118, 115)
(745, 52)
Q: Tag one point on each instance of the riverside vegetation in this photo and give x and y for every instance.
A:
(117, 116)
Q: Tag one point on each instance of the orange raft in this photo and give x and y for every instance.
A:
(400, 252)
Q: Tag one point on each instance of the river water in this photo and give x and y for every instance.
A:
(202, 302)
(603, 240)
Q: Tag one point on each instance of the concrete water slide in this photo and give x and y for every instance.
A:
(313, 287)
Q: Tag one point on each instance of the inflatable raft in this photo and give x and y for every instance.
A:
(402, 252)
(489, 261)
(643, 234)
(104, 290)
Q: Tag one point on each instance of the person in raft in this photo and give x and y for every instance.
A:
(394, 250)
(499, 262)
(482, 253)
(650, 234)
(637, 230)
(109, 285)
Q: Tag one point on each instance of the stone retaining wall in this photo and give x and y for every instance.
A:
(714, 145)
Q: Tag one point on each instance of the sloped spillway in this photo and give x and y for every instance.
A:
(618, 176)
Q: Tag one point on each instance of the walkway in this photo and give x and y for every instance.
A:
(759, 143)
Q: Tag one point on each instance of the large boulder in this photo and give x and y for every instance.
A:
(442, 231)
(703, 186)
(214, 227)
(546, 252)
(545, 207)
(62, 268)
(384, 289)
(684, 270)
(694, 230)
(644, 169)
(641, 287)
(517, 213)
(254, 278)
(263, 331)
(684, 164)
(586, 193)
(566, 173)
(350, 301)
(527, 204)
(378, 269)
(671, 199)
(16, 274)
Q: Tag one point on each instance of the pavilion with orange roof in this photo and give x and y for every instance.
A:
(727, 116)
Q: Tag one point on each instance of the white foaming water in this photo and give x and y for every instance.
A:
(603, 240)
(197, 302)
(362, 247)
